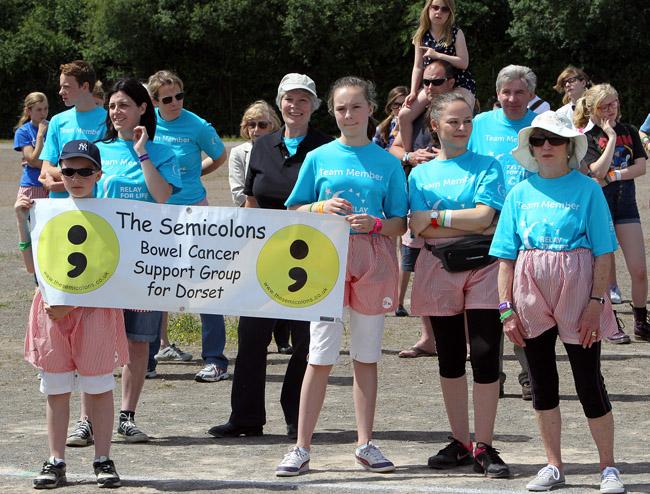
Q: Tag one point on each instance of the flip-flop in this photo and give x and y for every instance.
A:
(415, 352)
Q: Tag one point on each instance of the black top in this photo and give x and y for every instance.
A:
(272, 173)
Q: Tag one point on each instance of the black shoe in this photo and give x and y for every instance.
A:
(231, 430)
(51, 476)
(292, 431)
(488, 462)
(502, 387)
(453, 455)
(526, 392)
(642, 330)
(106, 474)
(401, 312)
(285, 350)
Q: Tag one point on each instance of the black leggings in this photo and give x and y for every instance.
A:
(585, 365)
(484, 329)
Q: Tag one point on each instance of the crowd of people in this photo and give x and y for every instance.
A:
(507, 218)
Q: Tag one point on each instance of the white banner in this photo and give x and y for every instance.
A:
(138, 255)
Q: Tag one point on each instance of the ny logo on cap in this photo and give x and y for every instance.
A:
(83, 146)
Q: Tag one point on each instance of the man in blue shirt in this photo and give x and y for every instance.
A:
(495, 134)
(85, 120)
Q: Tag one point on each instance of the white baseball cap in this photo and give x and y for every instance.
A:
(296, 81)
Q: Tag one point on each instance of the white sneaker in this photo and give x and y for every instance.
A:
(547, 478)
(295, 462)
(211, 373)
(172, 352)
(610, 481)
(371, 458)
(615, 294)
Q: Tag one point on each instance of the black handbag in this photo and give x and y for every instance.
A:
(465, 254)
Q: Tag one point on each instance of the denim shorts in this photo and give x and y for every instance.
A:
(408, 257)
(621, 199)
(142, 326)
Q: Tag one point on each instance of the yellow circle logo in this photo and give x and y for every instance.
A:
(78, 252)
(298, 266)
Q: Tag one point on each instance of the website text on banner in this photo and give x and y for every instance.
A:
(135, 255)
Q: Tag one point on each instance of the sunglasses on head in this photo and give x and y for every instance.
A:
(435, 82)
(260, 124)
(440, 8)
(82, 172)
(537, 141)
(168, 99)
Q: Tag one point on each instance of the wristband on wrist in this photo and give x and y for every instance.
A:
(441, 217)
(378, 226)
(612, 176)
(446, 217)
(143, 158)
(617, 173)
(505, 315)
(23, 246)
(504, 306)
(405, 158)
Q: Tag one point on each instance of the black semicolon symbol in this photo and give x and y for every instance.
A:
(77, 235)
(298, 250)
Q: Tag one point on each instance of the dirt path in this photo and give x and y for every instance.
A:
(410, 423)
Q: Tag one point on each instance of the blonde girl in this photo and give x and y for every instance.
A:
(437, 38)
(29, 138)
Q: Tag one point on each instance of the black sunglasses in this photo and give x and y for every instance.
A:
(539, 140)
(168, 99)
(260, 124)
(440, 8)
(435, 82)
(82, 172)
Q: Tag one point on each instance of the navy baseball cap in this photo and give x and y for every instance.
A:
(82, 149)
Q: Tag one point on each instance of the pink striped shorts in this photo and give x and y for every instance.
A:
(371, 275)
(553, 288)
(89, 340)
(437, 292)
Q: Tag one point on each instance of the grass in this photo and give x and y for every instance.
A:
(186, 328)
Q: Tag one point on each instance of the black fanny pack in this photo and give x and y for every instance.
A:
(465, 254)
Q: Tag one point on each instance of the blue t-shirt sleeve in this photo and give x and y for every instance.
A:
(417, 202)
(645, 128)
(52, 147)
(396, 199)
(210, 142)
(600, 227)
(22, 138)
(167, 166)
(304, 191)
(506, 241)
(491, 189)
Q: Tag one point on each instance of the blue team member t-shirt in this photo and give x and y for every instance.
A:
(68, 126)
(367, 176)
(556, 214)
(495, 135)
(458, 183)
(188, 135)
(122, 176)
(26, 136)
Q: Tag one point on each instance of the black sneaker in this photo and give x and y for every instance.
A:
(453, 455)
(129, 432)
(51, 475)
(526, 392)
(231, 430)
(82, 434)
(641, 329)
(106, 474)
(488, 462)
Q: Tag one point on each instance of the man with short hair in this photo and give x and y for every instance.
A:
(495, 133)
(85, 120)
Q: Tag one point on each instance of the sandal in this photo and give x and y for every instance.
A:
(415, 352)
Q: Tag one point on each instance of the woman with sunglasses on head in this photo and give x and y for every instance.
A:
(275, 161)
(554, 241)
(615, 157)
(437, 38)
(572, 84)
(389, 127)
(456, 195)
(188, 135)
(134, 167)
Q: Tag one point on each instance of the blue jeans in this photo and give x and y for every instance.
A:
(213, 342)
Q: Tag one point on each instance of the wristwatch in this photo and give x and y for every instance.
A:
(434, 218)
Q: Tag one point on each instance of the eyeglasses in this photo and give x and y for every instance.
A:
(396, 105)
(168, 99)
(435, 82)
(610, 106)
(538, 141)
(571, 80)
(440, 8)
(82, 172)
(251, 124)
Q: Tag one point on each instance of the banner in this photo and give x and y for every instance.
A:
(139, 255)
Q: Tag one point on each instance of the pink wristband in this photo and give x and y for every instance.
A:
(378, 226)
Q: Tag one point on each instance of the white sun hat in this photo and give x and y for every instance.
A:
(557, 124)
